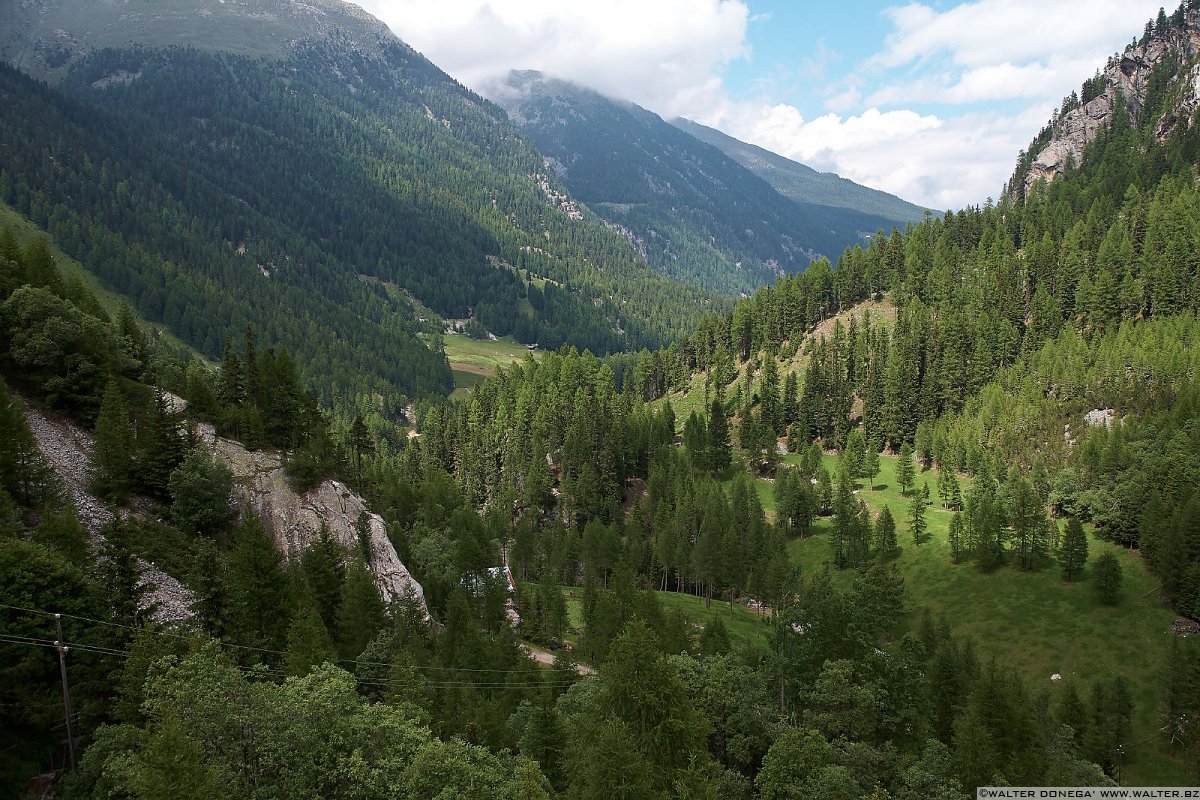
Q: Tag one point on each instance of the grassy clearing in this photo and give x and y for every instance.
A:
(482, 356)
(692, 398)
(1033, 622)
(472, 360)
(746, 629)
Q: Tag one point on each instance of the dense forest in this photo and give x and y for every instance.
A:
(697, 215)
(293, 678)
(197, 213)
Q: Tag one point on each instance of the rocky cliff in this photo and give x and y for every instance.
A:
(1126, 80)
(67, 450)
(295, 520)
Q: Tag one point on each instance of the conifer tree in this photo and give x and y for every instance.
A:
(870, 467)
(854, 453)
(1027, 519)
(957, 535)
(361, 612)
(916, 518)
(324, 575)
(886, 545)
(23, 471)
(904, 469)
(714, 639)
(1106, 577)
(720, 450)
(61, 529)
(824, 490)
(845, 510)
(112, 451)
(259, 598)
(200, 489)
(1073, 553)
(948, 489)
(308, 642)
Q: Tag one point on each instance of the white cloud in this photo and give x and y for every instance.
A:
(990, 82)
(663, 54)
(928, 116)
(937, 162)
(990, 32)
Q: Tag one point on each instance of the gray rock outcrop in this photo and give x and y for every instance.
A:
(67, 450)
(294, 520)
(1126, 80)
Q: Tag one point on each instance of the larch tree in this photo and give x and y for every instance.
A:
(870, 465)
(112, 451)
(886, 546)
(905, 472)
(1106, 577)
(916, 519)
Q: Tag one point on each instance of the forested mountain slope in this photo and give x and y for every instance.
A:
(817, 192)
(45, 37)
(174, 175)
(1002, 324)
(694, 213)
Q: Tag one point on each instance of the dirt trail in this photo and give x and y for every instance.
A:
(546, 658)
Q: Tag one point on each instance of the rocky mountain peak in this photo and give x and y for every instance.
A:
(1126, 80)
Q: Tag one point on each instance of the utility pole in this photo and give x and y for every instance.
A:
(62, 667)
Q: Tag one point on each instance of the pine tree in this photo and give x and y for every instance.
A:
(845, 509)
(160, 448)
(948, 490)
(719, 447)
(824, 490)
(200, 489)
(854, 453)
(870, 467)
(23, 471)
(361, 613)
(112, 450)
(714, 639)
(904, 469)
(1074, 551)
(1106, 576)
(324, 575)
(958, 549)
(259, 597)
(1027, 518)
(886, 545)
(916, 518)
(308, 642)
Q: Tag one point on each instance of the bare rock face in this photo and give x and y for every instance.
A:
(1126, 80)
(67, 450)
(295, 520)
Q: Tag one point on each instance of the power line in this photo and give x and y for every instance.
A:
(222, 643)
(253, 669)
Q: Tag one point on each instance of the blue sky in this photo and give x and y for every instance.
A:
(931, 100)
(796, 47)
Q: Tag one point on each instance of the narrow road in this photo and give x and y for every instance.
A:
(546, 658)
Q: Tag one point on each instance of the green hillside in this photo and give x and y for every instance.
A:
(693, 212)
(805, 185)
(182, 163)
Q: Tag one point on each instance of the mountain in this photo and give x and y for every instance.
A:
(46, 37)
(328, 191)
(690, 210)
(803, 183)
(1148, 86)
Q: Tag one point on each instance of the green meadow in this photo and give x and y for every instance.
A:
(1034, 622)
